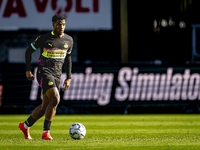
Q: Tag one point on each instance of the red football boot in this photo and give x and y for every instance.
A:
(46, 136)
(25, 131)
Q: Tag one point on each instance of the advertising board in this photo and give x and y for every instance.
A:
(37, 14)
(129, 84)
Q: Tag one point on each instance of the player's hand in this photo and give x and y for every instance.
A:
(29, 75)
(66, 84)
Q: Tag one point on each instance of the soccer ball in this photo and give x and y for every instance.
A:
(77, 131)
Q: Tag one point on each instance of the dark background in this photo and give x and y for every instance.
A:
(170, 44)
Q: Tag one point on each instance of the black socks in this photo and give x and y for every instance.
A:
(30, 121)
(47, 125)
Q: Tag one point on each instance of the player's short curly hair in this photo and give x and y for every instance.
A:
(58, 17)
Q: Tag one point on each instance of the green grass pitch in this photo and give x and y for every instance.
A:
(110, 132)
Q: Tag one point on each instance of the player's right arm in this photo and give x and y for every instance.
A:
(28, 57)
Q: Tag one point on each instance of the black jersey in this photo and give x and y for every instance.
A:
(53, 52)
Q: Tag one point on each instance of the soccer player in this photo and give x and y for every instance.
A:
(56, 47)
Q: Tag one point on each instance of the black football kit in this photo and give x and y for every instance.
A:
(54, 52)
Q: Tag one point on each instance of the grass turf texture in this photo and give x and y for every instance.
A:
(143, 132)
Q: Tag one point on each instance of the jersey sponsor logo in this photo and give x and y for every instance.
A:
(54, 53)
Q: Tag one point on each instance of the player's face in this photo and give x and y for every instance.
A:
(59, 27)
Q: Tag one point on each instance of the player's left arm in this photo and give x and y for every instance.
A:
(68, 68)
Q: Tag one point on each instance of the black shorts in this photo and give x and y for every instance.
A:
(47, 81)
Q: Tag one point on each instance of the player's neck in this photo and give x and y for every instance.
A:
(58, 35)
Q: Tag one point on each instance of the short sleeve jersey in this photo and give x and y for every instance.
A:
(53, 51)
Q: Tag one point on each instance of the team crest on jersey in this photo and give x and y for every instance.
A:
(50, 83)
(65, 46)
